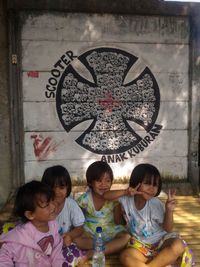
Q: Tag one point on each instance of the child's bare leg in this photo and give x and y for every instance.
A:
(117, 244)
(131, 257)
(84, 242)
(172, 249)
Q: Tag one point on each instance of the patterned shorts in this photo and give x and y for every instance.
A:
(72, 254)
(151, 250)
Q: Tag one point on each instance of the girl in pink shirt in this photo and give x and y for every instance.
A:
(35, 241)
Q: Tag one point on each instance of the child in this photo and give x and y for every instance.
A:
(99, 212)
(69, 215)
(149, 223)
(35, 241)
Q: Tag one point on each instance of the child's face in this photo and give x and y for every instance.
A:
(44, 211)
(60, 193)
(149, 188)
(102, 185)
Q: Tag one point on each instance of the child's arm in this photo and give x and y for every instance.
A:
(69, 237)
(115, 194)
(6, 255)
(118, 215)
(77, 220)
(170, 205)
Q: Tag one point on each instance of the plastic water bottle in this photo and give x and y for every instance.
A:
(98, 259)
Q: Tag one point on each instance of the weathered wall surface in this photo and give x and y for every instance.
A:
(5, 141)
(47, 38)
(144, 7)
(159, 43)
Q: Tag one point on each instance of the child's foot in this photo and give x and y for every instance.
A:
(81, 261)
(85, 258)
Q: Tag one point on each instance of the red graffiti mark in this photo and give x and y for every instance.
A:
(108, 103)
(33, 74)
(43, 147)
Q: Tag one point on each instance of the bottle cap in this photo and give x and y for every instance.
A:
(99, 229)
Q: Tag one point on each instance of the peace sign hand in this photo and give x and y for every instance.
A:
(171, 201)
(133, 191)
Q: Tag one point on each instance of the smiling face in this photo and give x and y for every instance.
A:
(44, 211)
(149, 187)
(60, 192)
(102, 185)
(146, 175)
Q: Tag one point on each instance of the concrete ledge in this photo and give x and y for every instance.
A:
(182, 188)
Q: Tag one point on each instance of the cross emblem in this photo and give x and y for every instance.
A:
(107, 101)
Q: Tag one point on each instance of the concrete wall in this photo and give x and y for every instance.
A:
(11, 133)
(5, 137)
(160, 43)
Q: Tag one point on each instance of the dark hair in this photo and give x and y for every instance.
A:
(145, 171)
(27, 198)
(95, 171)
(57, 176)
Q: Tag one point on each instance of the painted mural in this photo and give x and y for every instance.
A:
(107, 101)
(105, 87)
(44, 146)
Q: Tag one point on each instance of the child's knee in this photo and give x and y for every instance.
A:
(178, 247)
(126, 237)
(123, 238)
(124, 255)
(132, 257)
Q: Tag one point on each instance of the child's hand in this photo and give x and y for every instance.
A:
(171, 201)
(133, 191)
(67, 240)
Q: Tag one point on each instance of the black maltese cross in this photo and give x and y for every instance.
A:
(107, 101)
